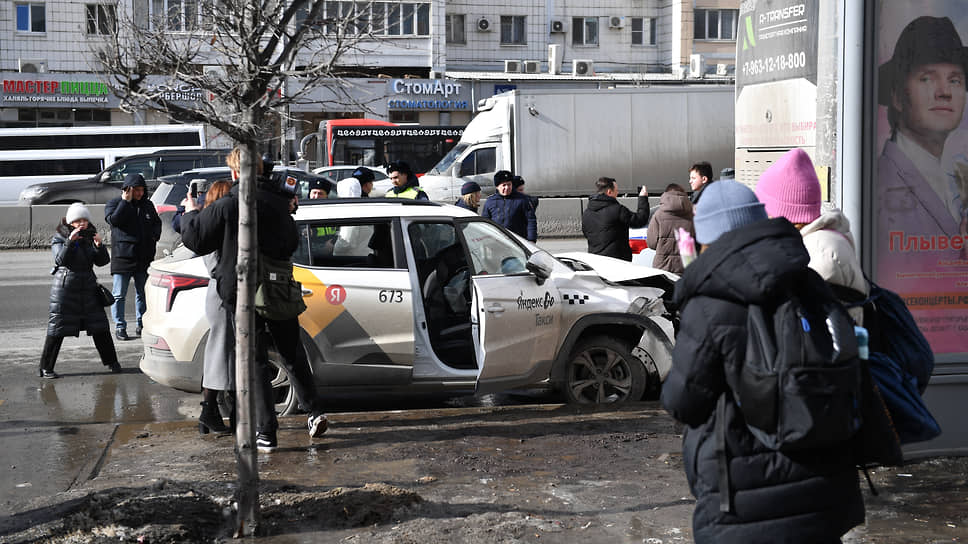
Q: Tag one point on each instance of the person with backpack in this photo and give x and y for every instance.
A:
(789, 188)
(747, 491)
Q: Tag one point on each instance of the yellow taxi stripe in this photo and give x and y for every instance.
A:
(319, 312)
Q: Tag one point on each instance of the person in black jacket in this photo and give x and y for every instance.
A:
(135, 229)
(511, 209)
(800, 497)
(74, 301)
(216, 228)
(700, 175)
(605, 222)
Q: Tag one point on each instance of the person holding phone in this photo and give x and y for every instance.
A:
(74, 301)
(135, 229)
(605, 222)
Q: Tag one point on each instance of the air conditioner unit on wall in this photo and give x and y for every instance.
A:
(532, 66)
(616, 22)
(721, 69)
(557, 26)
(582, 68)
(483, 25)
(512, 66)
(697, 65)
(32, 66)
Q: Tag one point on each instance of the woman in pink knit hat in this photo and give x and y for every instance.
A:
(789, 188)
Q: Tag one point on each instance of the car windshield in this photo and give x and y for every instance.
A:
(448, 160)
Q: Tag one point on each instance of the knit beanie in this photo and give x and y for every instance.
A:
(725, 205)
(469, 187)
(789, 188)
(77, 211)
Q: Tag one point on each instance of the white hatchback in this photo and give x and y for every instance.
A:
(422, 297)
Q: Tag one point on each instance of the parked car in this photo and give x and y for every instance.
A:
(173, 189)
(106, 185)
(419, 297)
(381, 182)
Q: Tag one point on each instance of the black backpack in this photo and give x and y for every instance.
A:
(801, 382)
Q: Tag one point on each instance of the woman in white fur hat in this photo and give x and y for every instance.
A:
(75, 304)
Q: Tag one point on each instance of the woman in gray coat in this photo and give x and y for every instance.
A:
(74, 299)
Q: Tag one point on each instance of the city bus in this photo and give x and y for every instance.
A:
(371, 142)
(37, 155)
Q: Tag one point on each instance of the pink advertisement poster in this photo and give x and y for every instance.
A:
(921, 180)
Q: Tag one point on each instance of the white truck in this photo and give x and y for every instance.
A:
(561, 141)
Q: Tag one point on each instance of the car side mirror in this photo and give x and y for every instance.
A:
(106, 177)
(540, 264)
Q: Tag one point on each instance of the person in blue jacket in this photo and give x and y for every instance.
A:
(511, 209)
(470, 196)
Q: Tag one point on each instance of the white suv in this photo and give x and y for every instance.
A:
(422, 297)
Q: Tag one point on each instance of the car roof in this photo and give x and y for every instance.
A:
(352, 208)
(216, 171)
(349, 167)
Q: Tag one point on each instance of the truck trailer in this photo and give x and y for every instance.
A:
(562, 141)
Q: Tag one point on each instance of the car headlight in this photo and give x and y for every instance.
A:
(645, 306)
(32, 192)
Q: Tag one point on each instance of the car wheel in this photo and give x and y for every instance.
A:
(283, 395)
(602, 370)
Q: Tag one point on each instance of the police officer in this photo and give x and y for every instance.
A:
(404, 182)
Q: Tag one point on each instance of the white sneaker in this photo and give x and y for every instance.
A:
(317, 425)
(266, 442)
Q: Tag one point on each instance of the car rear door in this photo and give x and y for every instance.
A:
(516, 318)
(359, 300)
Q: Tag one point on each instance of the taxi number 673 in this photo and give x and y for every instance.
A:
(391, 296)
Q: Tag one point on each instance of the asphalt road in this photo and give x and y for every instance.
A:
(54, 431)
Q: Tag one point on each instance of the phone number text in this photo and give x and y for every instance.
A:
(776, 63)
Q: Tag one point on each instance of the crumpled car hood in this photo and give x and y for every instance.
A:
(617, 270)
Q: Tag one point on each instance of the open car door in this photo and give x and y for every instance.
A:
(515, 316)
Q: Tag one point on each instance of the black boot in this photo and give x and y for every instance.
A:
(105, 348)
(52, 345)
(210, 419)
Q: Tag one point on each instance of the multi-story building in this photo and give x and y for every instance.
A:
(478, 46)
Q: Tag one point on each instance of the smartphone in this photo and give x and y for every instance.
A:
(193, 189)
(638, 189)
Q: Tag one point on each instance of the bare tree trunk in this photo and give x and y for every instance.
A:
(245, 375)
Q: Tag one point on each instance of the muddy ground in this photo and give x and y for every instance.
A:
(504, 475)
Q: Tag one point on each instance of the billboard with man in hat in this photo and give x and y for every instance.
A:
(919, 189)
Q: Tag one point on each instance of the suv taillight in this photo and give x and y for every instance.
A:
(175, 284)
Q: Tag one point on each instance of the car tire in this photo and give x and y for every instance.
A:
(602, 370)
(283, 394)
